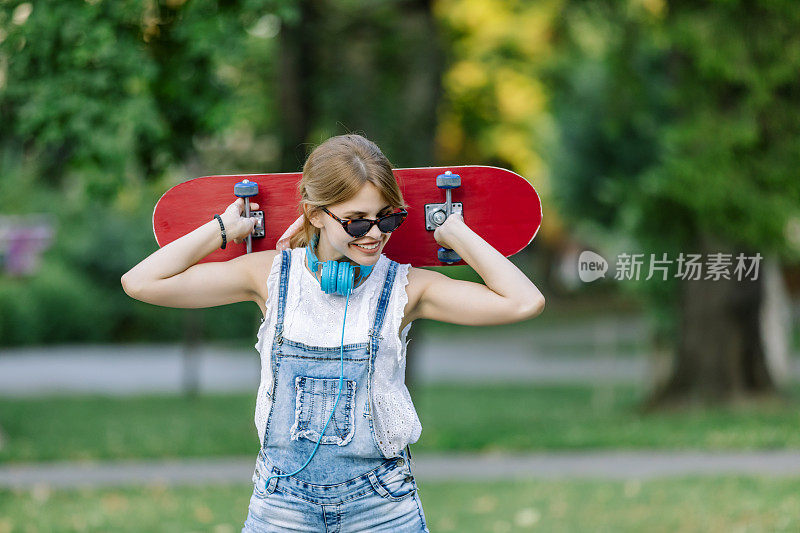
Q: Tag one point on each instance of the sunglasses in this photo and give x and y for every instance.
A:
(356, 227)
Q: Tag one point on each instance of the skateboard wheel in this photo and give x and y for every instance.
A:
(245, 189)
(448, 180)
(446, 255)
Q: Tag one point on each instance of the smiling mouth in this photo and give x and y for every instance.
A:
(367, 245)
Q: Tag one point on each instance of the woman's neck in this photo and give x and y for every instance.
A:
(325, 252)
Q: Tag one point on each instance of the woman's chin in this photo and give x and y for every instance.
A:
(364, 261)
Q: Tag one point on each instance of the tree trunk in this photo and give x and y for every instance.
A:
(296, 72)
(721, 355)
(776, 323)
(383, 69)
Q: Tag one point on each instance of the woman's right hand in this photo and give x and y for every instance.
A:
(237, 226)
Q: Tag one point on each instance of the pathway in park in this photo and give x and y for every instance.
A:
(579, 352)
(613, 465)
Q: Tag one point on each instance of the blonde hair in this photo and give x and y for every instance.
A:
(335, 171)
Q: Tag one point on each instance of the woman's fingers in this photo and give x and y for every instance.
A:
(240, 204)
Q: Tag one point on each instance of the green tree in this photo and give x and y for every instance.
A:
(101, 105)
(98, 95)
(679, 127)
(104, 106)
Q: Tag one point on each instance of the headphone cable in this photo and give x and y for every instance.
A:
(341, 381)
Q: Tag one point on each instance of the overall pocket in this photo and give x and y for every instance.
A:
(395, 485)
(314, 402)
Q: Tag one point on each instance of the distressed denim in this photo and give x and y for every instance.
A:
(348, 485)
(384, 499)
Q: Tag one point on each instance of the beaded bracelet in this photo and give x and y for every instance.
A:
(222, 228)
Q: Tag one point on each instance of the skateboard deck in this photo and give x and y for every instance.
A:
(497, 204)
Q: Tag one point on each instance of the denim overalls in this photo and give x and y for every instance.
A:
(348, 484)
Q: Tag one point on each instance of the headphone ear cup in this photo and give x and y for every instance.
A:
(344, 283)
(336, 277)
(327, 277)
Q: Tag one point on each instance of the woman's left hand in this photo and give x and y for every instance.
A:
(237, 226)
(443, 233)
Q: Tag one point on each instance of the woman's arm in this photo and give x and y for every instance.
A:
(508, 296)
(170, 277)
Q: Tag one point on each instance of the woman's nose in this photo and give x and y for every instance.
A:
(375, 232)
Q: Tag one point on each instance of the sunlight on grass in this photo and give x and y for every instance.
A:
(714, 504)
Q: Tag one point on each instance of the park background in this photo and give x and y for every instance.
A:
(646, 126)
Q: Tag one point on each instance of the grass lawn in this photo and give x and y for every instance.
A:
(454, 417)
(715, 504)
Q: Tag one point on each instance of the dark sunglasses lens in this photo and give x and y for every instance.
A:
(357, 228)
(390, 223)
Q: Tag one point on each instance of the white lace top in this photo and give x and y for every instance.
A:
(315, 318)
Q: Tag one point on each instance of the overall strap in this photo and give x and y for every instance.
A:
(286, 262)
(380, 314)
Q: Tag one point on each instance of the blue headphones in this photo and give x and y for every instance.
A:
(336, 277)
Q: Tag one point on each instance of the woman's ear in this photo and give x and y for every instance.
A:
(313, 214)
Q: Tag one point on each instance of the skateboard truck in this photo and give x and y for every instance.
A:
(247, 189)
(436, 214)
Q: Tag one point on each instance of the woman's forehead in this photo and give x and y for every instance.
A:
(362, 209)
(368, 200)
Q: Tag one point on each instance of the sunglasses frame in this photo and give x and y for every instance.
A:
(345, 222)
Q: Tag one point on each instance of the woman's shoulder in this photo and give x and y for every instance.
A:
(416, 281)
(420, 280)
(417, 278)
(260, 262)
(259, 265)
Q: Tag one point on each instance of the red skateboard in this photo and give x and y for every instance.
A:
(497, 204)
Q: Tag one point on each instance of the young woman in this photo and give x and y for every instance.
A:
(333, 414)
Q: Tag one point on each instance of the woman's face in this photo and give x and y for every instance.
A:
(335, 243)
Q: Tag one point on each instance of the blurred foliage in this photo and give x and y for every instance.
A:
(495, 107)
(106, 105)
(372, 67)
(639, 119)
(680, 120)
(678, 123)
(98, 95)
